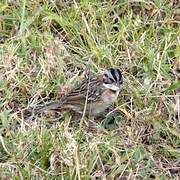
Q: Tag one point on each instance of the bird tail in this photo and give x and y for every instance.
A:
(55, 105)
(50, 106)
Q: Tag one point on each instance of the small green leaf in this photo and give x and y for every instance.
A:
(175, 153)
(174, 86)
(4, 118)
(137, 155)
(177, 52)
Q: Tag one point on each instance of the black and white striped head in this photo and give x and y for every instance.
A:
(112, 79)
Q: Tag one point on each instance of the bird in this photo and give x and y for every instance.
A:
(91, 96)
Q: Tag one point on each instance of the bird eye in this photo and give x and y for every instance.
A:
(105, 80)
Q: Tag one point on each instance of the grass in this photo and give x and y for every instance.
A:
(46, 45)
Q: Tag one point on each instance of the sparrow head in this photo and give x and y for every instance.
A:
(112, 79)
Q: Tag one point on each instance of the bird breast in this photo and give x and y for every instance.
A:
(108, 97)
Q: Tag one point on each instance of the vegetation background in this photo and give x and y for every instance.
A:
(45, 46)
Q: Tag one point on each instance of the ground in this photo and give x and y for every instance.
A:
(47, 45)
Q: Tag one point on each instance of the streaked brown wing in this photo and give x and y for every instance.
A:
(90, 86)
